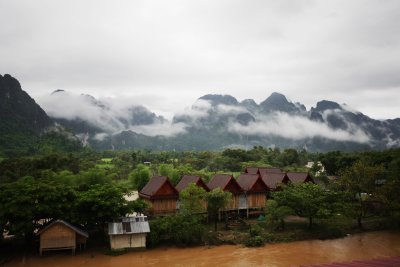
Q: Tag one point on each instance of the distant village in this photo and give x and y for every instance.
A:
(250, 192)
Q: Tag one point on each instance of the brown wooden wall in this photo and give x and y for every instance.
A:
(234, 203)
(58, 236)
(256, 200)
(162, 206)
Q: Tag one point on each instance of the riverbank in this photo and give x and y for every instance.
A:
(360, 246)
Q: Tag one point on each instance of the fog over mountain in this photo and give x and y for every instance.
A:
(220, 121)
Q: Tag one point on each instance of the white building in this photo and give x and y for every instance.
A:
(130, 232)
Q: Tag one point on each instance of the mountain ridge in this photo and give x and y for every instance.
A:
(216, 122)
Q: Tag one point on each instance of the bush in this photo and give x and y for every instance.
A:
(179, 229)
(255, 230)
(255, 241)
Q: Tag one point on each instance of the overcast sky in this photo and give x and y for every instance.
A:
(166, 54)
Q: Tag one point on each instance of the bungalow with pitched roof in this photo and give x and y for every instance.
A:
(299, 177)
(188, 179)
(60, 235)
(275, 180)
(255, 191)
(227, 183)
(161, 195)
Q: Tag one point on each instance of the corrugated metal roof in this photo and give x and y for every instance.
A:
(136, 227)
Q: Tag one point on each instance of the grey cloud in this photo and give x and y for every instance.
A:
(296, 128)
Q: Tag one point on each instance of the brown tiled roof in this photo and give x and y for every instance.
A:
(154, 185)
(251, 170)
(222, 181)
(265, 170)
(247, 181)
(299, 177)
(272, 180)
(187, 179)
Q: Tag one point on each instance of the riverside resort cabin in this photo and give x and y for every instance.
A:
(255, 191)
(161, 195)
(61, 235)
(227, 183)
(188, 179)
(129, 232)
(275, 180)
(299, 177)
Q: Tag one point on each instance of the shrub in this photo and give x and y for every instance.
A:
(255, 241)
(255, 230)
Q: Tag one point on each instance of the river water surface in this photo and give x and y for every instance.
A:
(360, 246)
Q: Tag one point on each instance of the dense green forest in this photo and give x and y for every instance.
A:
(88, 187)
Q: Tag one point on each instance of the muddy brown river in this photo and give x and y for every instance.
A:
(360, 246)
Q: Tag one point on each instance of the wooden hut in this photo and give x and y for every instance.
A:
(188, 179)
(60, 235)
(261, 170)
(274, 180)
(227, 183)
(161, 195)
(299, 177)
(130, 232)
(255, 190)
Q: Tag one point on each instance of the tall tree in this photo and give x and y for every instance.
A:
(358, 183)
(192, 199)
(307, 200)
(217, 200)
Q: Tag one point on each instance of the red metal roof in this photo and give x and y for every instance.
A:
(154, 186)
(248, 181)
(222, 181)
(188, 179)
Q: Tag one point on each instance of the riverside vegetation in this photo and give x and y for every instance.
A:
(88, 188)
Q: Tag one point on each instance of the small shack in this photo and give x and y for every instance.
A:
(61, 235)
(299, 177)
(188, 179)
(161, 195)
(275, 180)
(130, 232)
(227, 183)
(255, 190)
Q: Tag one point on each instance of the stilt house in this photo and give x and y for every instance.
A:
(255, 190)
(275, 180)
(61, 235)
(227, 183)
(161, 195)
(188, 179)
